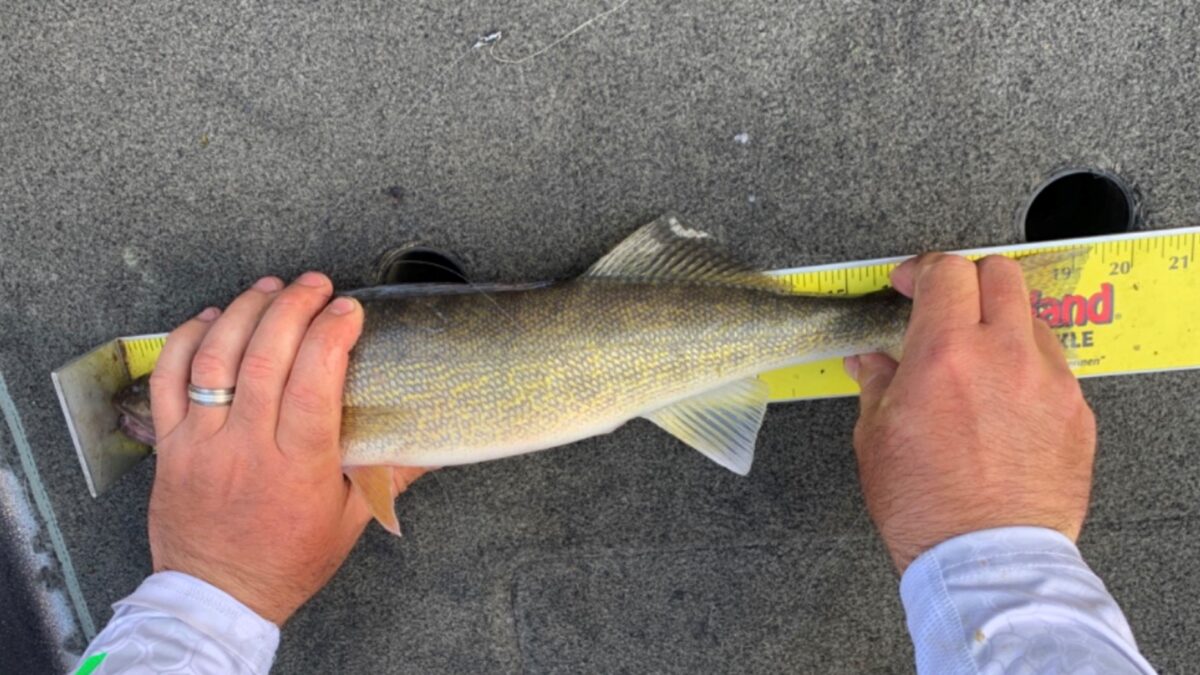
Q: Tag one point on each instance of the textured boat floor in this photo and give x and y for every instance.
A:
(159, 158)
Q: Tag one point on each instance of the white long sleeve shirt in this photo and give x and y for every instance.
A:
(1007, 600)
(1014, 600)
(177, 623)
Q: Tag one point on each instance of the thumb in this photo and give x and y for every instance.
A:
(873, 373)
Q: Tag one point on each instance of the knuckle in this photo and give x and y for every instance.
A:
(1015, 349)
(944, 351)
(949, 364)
(307, 400)
(208, 362)
(325, 343)
(252, 416)
(161, 378)
(179, 338)
(313, 436)
(259, 366)
(176, 337)
(297, 299)
(999, 263)
(947, 263)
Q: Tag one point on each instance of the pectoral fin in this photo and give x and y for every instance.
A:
(374, 483)
(722, 423)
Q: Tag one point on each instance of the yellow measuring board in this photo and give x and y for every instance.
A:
(141, 352)
(1132, 310)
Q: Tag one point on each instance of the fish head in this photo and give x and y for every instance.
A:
(133, 409)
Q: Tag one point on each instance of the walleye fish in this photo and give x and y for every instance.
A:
(665, 327)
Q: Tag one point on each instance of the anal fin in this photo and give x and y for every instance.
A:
(374, 483)
(722, 423)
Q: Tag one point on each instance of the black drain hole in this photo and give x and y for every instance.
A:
(1079, 203)
(419, 265)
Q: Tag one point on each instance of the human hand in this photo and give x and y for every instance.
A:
(250, 497)
(981, 424)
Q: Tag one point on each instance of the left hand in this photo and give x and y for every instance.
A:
(250, 497)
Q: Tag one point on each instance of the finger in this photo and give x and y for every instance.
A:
(310, 415)
(1004, 300)
(168, 381)
(1049, 345)
(269, 356)
(874, 373)
(216, 362)
(945, 294)
(902, 277)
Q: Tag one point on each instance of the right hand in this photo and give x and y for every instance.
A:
(981, 424)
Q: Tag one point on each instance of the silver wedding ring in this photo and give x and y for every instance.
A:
(210, 397)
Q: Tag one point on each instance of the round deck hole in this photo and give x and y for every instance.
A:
(418, 265)
(1078, 203)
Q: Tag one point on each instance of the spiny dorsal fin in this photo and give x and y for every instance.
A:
(722, 423)
(666, 250)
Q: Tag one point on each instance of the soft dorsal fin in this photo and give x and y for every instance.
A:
(722, 423)
(666, 250)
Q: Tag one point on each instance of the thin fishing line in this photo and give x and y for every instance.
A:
(561, 39)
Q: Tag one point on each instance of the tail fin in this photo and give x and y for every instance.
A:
(1054, 273)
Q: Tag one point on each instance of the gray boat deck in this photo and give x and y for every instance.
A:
(157, 158)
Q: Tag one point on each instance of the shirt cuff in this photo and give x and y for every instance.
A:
(923, 588)
(1011, 595)
(211, 611)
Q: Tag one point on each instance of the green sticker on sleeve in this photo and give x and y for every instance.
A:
(90, 664)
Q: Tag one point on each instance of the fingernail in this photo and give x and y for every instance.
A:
(208, 314)
(342, 305)
(268, 284)
(311, 279)
(851, 364)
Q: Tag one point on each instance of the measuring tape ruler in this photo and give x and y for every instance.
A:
(1131, 311)
(1140, 290)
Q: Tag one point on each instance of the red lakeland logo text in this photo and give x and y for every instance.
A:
(1074, 310)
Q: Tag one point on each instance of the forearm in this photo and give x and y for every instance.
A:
(1014, 598)
(175, 622)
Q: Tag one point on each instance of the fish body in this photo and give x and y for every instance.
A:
(454, 374)
(665, 327)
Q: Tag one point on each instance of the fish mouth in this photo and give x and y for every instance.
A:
(136, 428)
(134, 417)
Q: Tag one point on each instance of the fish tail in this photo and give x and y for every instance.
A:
(1055, 274)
